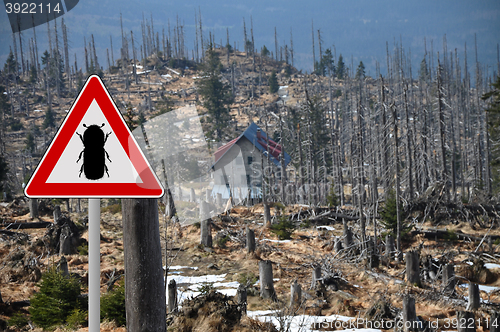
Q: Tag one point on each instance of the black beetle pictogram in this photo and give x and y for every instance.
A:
(94, 155)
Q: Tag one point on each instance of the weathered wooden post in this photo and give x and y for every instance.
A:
(206, 233)
(266, 280)
(466, 321)
(410, 322)
(192, 195)
(250, 240)
(267, 215)
(218, 200)
(389, 246)
(145, 300)
(295, 294)
(474, 300)
(412, 268)
(449, 278)
(33, 205)
(172, 296)
(241, 298)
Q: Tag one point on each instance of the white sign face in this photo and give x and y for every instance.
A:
(120, 169)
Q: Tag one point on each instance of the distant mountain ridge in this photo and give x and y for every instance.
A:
(359, 30)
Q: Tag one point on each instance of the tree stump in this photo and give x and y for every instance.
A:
(347, 237)
(494, 323)
(466, 321)
(337, 246)
(66, 240)
(474, 300)
(57, 215)
(267, 215)
(241, 298)
(373, 260)
(449, 278)
(295, 294)
(266, 280)
(180, 193)
(172, 296)
(208, 195)
(316, 276)
(410, 322)
(389, 246)
(206, 233)
(62, 266)
(192, 195)
(204, 210)
(250, 240)
(412, 268)
(33, 205)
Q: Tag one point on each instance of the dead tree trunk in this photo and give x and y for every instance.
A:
(449, 278)
(266, 280)
(474, 300)
(295, 294)
(33, 205)
(145, 301)
(206, 233)
(172, 296)
(466, 321)
(412, 268)
(250, 240)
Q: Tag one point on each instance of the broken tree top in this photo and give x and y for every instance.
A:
(94, 154)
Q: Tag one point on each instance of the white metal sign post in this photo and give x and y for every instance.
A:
(94, 155)
(94, 273)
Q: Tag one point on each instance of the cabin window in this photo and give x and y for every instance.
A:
(250, 160)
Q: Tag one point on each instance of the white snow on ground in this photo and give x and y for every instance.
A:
(484, 288)
(283, 87)
(197, 280)
(277, 241)
(492, 266)
(328, 228)
(180, 267)
(301, 323)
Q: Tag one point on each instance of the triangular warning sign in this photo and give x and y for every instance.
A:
(93, 154)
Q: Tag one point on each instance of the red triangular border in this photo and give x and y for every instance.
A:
(93, 89)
